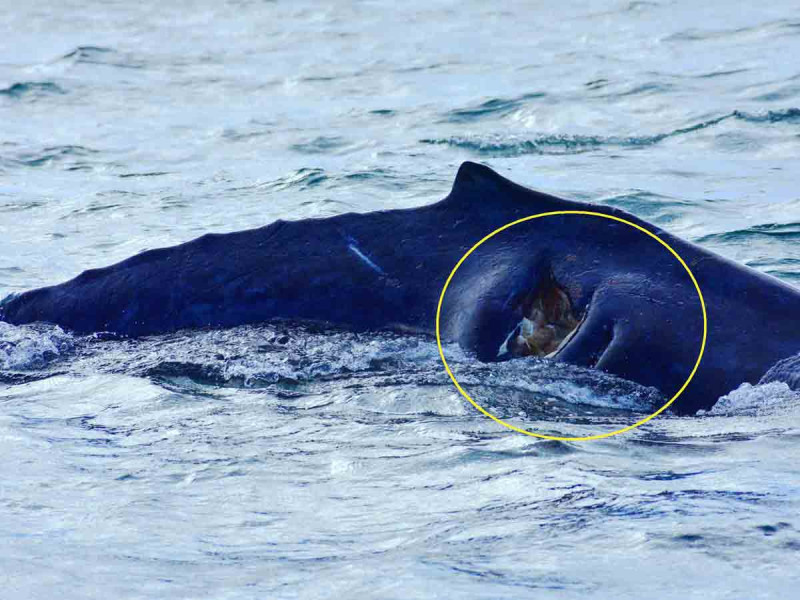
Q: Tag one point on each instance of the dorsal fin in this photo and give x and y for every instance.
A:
(471, 175)
(476, 183)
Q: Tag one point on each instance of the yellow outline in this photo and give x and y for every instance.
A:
(588, 437)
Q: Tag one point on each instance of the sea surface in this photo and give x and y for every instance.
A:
(297, 461)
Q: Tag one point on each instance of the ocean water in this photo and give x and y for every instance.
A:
(281, 461)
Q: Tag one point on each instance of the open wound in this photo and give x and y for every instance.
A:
(547, 321)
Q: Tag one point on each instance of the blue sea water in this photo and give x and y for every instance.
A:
(298, 462)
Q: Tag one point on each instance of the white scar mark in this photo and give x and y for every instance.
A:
(354, 249)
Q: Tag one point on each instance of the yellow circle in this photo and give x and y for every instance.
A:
(588, 437)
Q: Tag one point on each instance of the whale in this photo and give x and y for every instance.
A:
(571, 288)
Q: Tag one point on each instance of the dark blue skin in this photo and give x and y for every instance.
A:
(640, 313)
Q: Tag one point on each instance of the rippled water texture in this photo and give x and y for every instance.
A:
(285, 461)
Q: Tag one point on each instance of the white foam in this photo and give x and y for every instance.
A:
(31, 346)
(756, 400)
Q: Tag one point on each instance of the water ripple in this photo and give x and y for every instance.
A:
(49, 155)
(490, 108)
(784, 231)
(32, 89)
(324, 145)
(298, 180)
(510, 146)
(100, 55)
